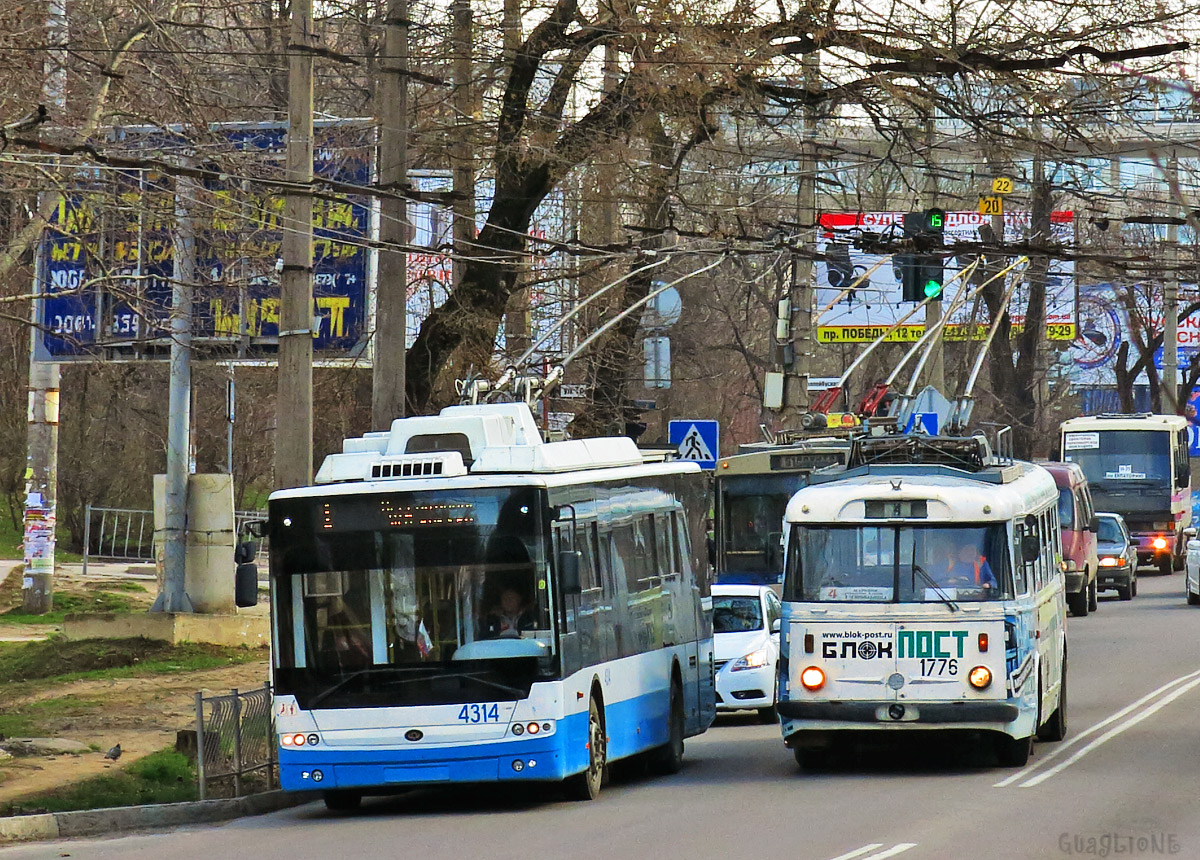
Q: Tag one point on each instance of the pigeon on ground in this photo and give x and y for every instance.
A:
(114, 753)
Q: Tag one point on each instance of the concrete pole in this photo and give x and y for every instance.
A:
(461, 154)
(41, 435)
(936, 373)
(391, 289)
(174, 597)
(1170, 372)
(517, 324)
(795, 381)
(294, 417)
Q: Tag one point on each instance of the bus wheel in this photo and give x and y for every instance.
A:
(1055, 728)
(586, 785)
(342, 801)
(670, 755)
(1013, 752)
(1093, 596)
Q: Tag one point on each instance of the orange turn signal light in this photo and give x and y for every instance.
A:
(983, 642)
(813, 678)
(980, 677)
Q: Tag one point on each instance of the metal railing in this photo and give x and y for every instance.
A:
(235, 743)
(127, 534)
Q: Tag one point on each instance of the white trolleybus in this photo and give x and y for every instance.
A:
(1137, 466)
(458, 601)
(923, 591)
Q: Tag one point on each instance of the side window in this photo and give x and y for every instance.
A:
(1047, 530)
(585, 544)
(1021, 568)
(660, 537)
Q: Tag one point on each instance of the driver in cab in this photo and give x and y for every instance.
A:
(510, 617)
(964, 567)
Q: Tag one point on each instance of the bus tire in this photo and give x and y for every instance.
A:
(342, 801)
(1093, 596)
(669, 757)
(586, 785)
(1013, 752)
(1055, 728)
(1078, 602)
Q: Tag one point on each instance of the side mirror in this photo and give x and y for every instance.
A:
(568, 571)
(1189, 532)
(245, 585)
(776, 625)
(245, 552)
(256, 528)
(1094, 524)
(1031, 548)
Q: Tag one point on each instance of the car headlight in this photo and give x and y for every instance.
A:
(753, 660)
(1159, 543)
(1109, 561)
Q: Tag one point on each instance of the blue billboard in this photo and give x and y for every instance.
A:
(108, 258)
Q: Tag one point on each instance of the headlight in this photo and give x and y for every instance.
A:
(753, 660)
(812, 678)
(1159, 543)
(1109, 561)
(980, 677)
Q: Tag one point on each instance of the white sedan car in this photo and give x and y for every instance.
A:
(746, 647)
(1191, 582)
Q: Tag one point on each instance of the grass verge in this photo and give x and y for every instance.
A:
(65, 603)
(42, 718)
(166, 776)
(59, 659)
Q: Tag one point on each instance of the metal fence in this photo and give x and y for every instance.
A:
(235, 743)
(126, 534)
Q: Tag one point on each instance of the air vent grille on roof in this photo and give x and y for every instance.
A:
(441, 465)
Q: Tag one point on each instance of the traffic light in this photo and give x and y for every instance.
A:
(921, 274)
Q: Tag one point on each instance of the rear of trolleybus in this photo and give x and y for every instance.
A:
(903, 609)
(420, 624)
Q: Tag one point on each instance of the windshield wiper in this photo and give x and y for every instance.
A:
(937, 588)
(325, 694)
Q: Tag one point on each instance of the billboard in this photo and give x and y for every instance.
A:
(868, 311)
(107, 260)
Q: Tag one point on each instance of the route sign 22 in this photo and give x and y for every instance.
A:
(1002, 185)
(696, 441)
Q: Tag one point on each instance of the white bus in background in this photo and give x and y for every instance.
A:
(891, 621)
(1137, 466)
(458, 601)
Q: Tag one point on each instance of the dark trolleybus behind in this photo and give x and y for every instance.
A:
(458, 601)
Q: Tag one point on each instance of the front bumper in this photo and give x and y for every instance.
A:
(747, 689)
(1076, 581)
(1114, 577)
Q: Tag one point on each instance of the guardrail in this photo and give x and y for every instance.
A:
(127, 534)
(235, 743)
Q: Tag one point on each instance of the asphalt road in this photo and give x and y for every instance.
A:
(1125, 783)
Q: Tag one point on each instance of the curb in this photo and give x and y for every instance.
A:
(94, 822)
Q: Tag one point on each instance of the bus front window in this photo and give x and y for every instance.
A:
(885, 564)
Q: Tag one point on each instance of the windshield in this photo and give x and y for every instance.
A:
(736, 614)
(752, 521)
(410, 598)
(1110, 531)
(905, 564)
(1114, 460)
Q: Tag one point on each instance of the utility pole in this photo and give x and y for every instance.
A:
(174, 597)
(294, 414)
(461, 146)
(933, 310)
(516, 312)
(795, 384)
(41, 435)
(391, 290)
(1170, 375)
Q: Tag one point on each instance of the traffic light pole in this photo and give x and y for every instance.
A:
(933, 310)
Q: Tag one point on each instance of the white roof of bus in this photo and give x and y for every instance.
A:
(1124, 422)
(952, 497)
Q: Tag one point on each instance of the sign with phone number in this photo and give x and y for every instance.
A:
(911, 333)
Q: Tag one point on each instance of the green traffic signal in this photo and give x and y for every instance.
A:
(935, 219)
(932, 289)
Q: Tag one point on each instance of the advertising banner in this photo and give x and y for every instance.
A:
(869, 310)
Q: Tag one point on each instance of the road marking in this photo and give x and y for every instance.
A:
(1066, 745)
(867, 849)
(858, 852)
(1111, 733)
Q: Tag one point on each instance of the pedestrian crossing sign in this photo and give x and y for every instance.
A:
(696, 440)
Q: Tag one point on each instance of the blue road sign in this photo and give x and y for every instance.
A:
(923, 422)
(696, 441)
